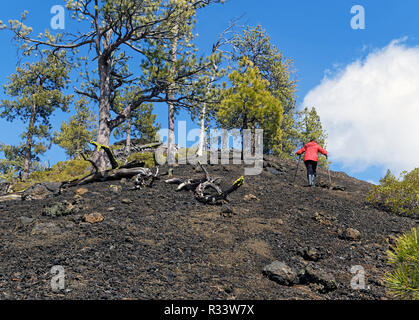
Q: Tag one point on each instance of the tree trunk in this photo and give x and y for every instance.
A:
(128, 139)
(244, 127)
(104, 131)
(171, 151)
(201, 143)
(28, 147)
(202, 132)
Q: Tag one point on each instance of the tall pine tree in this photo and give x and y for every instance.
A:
(36, 90)
(248, 104)
(255, 44)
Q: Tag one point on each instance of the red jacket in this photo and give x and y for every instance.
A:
(311, 150)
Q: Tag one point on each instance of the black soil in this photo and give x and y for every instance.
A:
(164, 244)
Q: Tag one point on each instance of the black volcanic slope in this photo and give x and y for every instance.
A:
(157, 243)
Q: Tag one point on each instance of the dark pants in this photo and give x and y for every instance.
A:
(311, 167)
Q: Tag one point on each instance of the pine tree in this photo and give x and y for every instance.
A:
(144, 28)
(75, 135)
(11, 163)
(140, 125)
(248, 104)
(309, 126)
(37, 92)
(255, 44)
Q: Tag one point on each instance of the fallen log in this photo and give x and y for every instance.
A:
(11, 197)
(108, 175)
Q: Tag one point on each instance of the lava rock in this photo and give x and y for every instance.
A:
(46, 229)
(25, 221)
(250, 197)
(281, 273)
(58, 209)
(93, 218)
(312, 254)
(227, 211)
(81, 191)
(323, 218)
(273, 171)
(351, 234)
(115, 189)
(339, 188)
(391, 240)
(314, 275)
(41, 191)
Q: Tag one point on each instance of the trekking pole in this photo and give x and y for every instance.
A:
(296, 171)
(328, 170)
(330, 180)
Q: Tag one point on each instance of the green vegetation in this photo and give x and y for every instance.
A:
(160, 35)
(157, 33)
(36, 90)
(248, 104)
(140, 125)
(62, 171)
(146, 157)
(75, 135)
(255, 44)
(403, 282)
(401, 196)
(12, 163)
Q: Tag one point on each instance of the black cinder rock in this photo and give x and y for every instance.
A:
(281, 273)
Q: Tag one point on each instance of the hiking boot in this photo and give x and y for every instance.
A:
(310, 180)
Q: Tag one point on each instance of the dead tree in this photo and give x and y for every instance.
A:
(145, 178)
(116, 173)
(206, 189)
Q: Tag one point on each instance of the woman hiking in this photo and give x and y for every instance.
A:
(311, 158)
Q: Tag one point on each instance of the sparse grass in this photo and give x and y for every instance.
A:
(146, 157)
(62, 171)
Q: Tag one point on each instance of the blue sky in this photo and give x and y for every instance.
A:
(316, 35)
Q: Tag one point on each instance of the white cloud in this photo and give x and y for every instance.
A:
(370, 110)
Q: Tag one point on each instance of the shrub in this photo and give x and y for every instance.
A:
(146, 157)
(62, 171)
(403, 282)
(399, 196)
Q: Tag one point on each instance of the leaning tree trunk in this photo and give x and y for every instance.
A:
(28, 147)
(171, 151)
